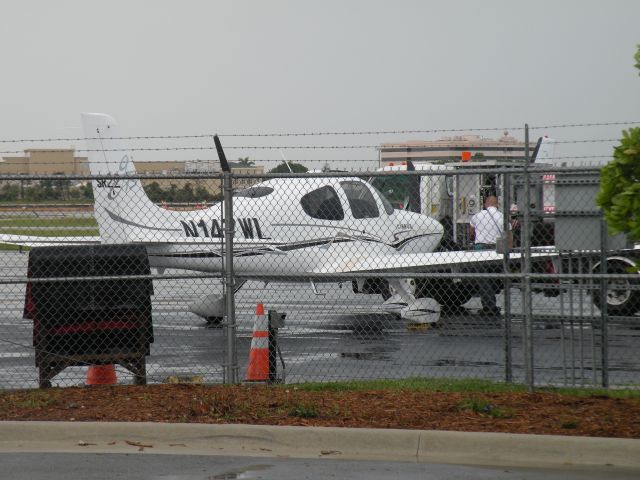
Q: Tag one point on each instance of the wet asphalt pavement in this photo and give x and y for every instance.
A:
(343, 336)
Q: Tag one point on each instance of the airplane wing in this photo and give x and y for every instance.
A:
(422, 262)
(42, 241)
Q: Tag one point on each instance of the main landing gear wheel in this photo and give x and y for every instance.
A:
(213, 322)
(447, 293)
(374, 286)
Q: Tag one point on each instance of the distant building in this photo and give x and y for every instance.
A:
(242, 169)
(43, 161)
(64, 161)
(450, 149)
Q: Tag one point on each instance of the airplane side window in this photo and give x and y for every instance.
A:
(361, 200)
(323, 204)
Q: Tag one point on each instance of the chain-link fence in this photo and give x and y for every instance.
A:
(481, 269)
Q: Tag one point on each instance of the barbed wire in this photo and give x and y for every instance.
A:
(82, 139)
(566, 157)
(257, 135)
(318, 133)
(238, 147)
(376, 160)
(593, 124)
(599, 140)
(414, 148)
(257, 161)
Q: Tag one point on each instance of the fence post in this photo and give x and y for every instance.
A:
(526, 268)
(506, 210)
(231, 361)
(604, 326)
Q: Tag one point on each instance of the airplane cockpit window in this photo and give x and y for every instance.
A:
(254, 192)
(361, 200)
(394, 188)
(385, 203)
(323, 204)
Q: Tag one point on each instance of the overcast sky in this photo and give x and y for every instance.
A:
(192, 67)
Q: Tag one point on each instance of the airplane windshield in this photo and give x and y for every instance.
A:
(395, 188)
(385, 203)
(361, 200)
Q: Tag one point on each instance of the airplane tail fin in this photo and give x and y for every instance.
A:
(120, 203)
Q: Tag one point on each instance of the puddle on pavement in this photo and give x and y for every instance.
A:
(372, 355)
(246, 472)
(364, 322)
(448, 362)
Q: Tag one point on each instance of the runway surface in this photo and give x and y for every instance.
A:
(343, 336)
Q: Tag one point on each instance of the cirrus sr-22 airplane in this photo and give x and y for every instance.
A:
(305, 229)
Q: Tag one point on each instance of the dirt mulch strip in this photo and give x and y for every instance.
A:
(538, 413)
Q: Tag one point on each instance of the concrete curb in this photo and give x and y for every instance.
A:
(497, 449)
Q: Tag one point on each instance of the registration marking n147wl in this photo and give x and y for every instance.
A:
(249, 227)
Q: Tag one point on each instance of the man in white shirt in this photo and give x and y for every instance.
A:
(486, 226)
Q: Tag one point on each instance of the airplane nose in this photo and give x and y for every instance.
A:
(416, 233)
(418, 221)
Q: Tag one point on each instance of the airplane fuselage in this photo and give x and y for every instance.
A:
(280, 218)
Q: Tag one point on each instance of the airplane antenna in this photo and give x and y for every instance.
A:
(224, 165)
(284, 159)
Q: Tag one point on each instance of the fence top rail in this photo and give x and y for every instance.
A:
(515, 170)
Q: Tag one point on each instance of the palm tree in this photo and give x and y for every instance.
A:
(245, 162)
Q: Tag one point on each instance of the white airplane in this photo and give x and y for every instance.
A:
(312, 228)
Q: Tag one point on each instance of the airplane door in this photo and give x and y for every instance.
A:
(325, 209)
(363, 211)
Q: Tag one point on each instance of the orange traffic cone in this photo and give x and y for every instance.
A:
(258, 369)
(101, 375)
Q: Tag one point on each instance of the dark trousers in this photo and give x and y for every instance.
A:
(487, 288)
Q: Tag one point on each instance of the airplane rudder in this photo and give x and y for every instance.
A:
(104, 144)
(119, 202)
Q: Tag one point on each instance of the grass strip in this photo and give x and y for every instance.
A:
(51, 233)
(13, 248)
(47, 222)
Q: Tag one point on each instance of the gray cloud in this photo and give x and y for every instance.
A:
(167, 67)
